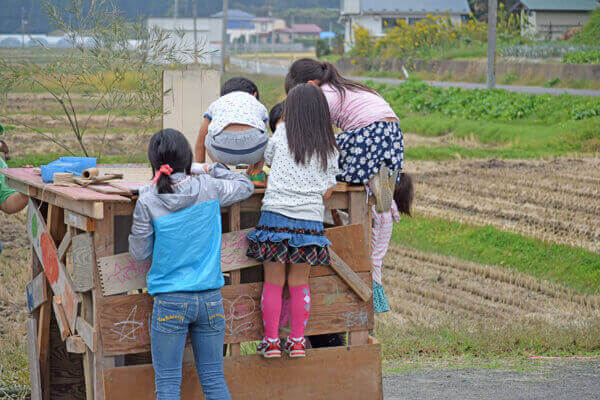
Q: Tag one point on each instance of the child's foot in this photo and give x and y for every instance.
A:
(295, 347)
(258, 178)
(269, 348)
(384, 184)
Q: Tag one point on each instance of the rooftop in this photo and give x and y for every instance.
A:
(559, 5)
(411, 6)
(302, 28)
(235, 14)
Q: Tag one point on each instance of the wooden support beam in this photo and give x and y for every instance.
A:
(87, 333)
(61, 318)
(75, 344)
(61, 252)
(93, 209)
(235, 276)
(43, 243)
(350, 277)
(37, 292)
(35, 377)
(79, 221)
(332, 373)
(83, 262)
(43, 346)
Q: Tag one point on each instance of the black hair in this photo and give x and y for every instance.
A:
(169, 146)
(404, 193)
(275, 115)
(308, 124)
(240, 84)
(308, 69)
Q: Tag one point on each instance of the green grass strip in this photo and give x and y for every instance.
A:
(572, 267)
(41, 159)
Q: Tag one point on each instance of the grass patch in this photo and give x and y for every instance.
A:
(41, 159)
(565, 265)
(453, 339)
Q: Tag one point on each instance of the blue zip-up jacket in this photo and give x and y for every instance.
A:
(182, 230)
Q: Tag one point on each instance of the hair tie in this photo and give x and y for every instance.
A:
(164, 169)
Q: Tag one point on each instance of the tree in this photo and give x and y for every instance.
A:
(114, 64)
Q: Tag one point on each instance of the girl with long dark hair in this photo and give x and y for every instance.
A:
(303, 157)
(177, 221)
(371, 145)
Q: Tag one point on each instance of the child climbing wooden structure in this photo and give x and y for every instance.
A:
(88, 334)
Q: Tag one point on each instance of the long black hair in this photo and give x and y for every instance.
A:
(169, 146)
(275, 115)
(404, 193)
(308, 69)
(308, 124)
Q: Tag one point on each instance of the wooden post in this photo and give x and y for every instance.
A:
(359, 212)
(491, 52)
(235, 277)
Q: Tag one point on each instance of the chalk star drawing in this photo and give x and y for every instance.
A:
(130, 323)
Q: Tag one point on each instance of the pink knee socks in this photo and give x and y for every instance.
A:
(300, 300)
(270, 304)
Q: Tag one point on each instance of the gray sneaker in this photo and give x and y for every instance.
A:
(384, 191)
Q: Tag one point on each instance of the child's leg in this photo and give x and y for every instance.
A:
(300, 298)
(208, 333)
(167, 335)
(271, 297)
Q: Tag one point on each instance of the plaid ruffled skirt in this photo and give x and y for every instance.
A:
(281, 239)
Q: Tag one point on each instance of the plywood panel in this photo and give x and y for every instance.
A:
(34, 364)
(55, 272)
(335, 308)
(83, 262)
(186, 96)
(36, 292)
(344, 373)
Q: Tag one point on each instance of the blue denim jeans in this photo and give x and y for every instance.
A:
(173, 315)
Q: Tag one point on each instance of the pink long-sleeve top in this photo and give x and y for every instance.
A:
(358, 109)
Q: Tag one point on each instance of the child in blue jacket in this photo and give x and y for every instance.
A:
(177, 221)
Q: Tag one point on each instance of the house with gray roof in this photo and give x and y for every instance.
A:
(380, 15)
(549, 19)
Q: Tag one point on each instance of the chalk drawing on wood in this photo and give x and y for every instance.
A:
(127, 329)
(121, 273)
(55, 272)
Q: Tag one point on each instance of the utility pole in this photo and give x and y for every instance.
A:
(175, 6)
(330, 31)
(224, 36)
(195, 11)
(23, 22)
(491, 51)
(273, 40)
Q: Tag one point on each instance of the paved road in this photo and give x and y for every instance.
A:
(557, 381)
(264, 67)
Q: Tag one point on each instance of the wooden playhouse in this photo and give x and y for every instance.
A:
(88, 330)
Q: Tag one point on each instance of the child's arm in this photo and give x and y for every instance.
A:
(141, 239)
(200, 147)
(228, 186)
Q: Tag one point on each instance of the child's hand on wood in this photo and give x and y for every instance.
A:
(328, 193)
(200, 168)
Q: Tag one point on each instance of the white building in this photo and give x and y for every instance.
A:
(549, 19)
(379, 15)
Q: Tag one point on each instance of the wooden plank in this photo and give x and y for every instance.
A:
(87, 334)
(83, 262)
(36, 292)
(123, 326)
(349, 242)
(61, 318)
(359, 212)
(350, 277)
(333, 373)
(64, 246)
(34, 363)
(75, 344)
(184, 93)
(234, 218)
(79, 221)
(33, 180)
(121, 273)
(55, 272)
(43, 350)
(90, 208)
(359, 337)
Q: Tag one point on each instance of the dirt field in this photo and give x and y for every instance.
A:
(556, 200)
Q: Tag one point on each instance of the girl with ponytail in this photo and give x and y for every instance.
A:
(371, 144)
(177, 222)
